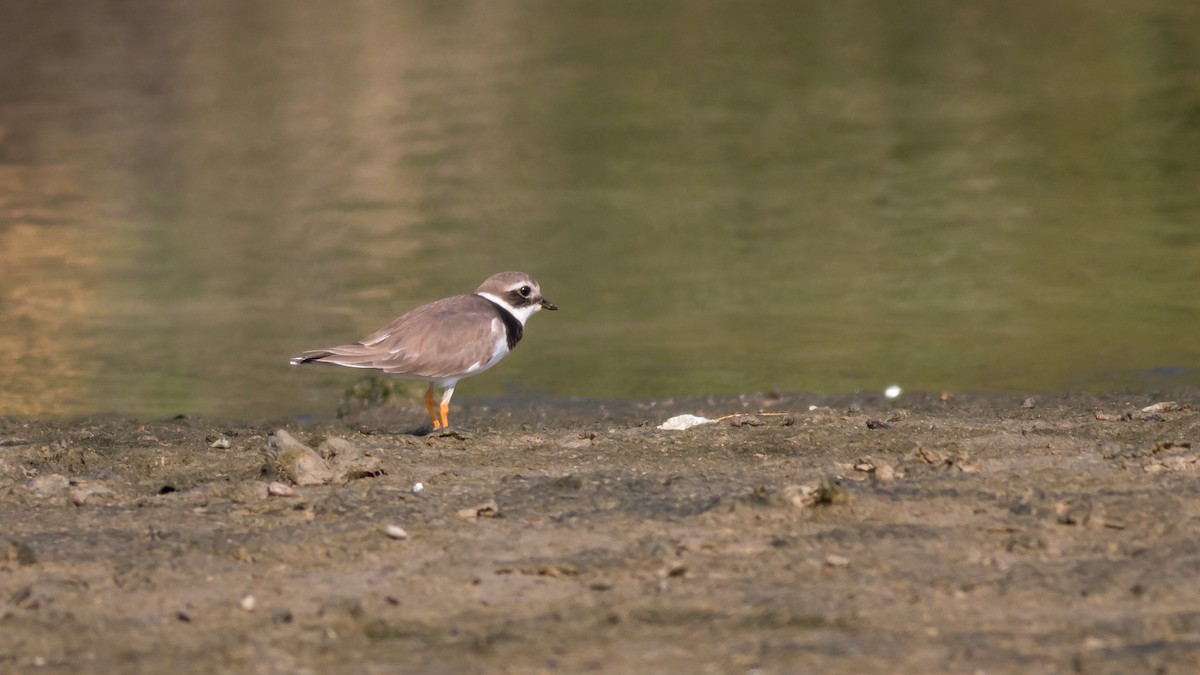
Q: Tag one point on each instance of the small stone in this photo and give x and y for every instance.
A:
(395, 532)
(878, 424)
(277, 489)
(298, 462)
(884, 473)
(249, 603)
(418, 488)
(347, 460)
(834, 560)
(893, 391)
(681, 422)
(1163, 406)
(221, 443)
(1105, 417)
(1029, 403)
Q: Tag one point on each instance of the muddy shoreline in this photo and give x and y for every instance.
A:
(841, 534)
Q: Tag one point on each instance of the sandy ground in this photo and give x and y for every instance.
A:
(974, 534)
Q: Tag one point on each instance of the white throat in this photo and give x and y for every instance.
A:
(522, 314)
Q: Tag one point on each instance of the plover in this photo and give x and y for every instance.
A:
(447, 340)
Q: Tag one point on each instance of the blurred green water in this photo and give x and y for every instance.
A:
(721, 196)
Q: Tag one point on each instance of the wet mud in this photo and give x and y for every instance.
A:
(794, 534)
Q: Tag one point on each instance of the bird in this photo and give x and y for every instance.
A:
(446, 340)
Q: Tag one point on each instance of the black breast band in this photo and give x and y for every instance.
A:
(512, 327)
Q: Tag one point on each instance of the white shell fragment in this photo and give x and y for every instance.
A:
(395, 532)
(1162, 406)
(893, 391)
(681, 422)
(277, 489)
(418, 487)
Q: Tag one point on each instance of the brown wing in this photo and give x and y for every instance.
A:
(441, 339)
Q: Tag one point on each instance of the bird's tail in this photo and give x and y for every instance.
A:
(309, 357)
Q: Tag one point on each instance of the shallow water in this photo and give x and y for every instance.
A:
(720, 197)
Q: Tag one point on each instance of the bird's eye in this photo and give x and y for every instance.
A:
(525, 291)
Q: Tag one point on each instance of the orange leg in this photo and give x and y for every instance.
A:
(445, 407)
(429, 407)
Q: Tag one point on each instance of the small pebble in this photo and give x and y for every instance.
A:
(893, 391)
(221, 443)
(249, 603)
(1162, 406)
(277, 489)
(418, 487)
(834, 560)
(299, 463)
(681, 422)
(395, 532)
(1029, 403)
(885, 473)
